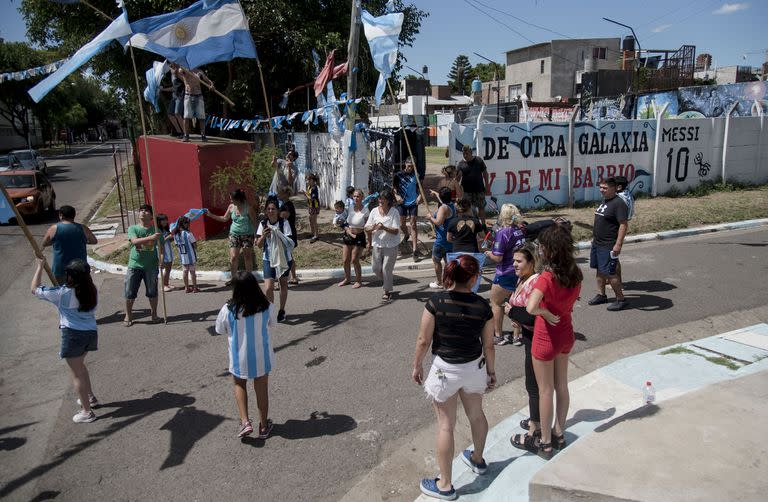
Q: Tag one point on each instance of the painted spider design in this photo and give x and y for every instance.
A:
(703, 166)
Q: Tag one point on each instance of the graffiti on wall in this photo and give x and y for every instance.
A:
(528, 164)
(616, 108)
(705, 101)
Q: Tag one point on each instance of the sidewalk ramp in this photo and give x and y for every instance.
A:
(703, 439)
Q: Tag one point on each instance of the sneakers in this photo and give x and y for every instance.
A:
(84, 417)
(265, 430)
(91, 400)
(434, 285)
(618, 305)
(185, 138)
(429, 488)
(314, 238)
(598, 300)
(203, 138)
(501, 340)
(246, 429)
(477, 468)
(517, 341)
(280, 315)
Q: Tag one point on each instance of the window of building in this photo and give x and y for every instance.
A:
(529, 90)
(513, 91)
(598, 53)
(541, 70)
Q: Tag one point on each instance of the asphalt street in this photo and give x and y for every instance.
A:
(78, 180)
(341, 394)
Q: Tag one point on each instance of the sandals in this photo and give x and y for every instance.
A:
(293, 282)
(544, 450)
(386, 297)
(525, 442)
(558, 442)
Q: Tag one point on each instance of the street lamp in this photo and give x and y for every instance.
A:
(496, 74)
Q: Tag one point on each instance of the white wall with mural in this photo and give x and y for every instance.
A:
(528, 162)
(335, 165)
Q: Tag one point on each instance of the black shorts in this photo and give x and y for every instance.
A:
(358, 240)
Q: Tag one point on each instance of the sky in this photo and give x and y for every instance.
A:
(727, 30)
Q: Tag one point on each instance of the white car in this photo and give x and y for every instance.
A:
(30, 159)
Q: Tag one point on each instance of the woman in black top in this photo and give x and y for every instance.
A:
(464, 230)
(458, 324)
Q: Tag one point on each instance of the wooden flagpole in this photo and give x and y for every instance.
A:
(32, 242)
(158, 248)
(410, 152)
(266, 103)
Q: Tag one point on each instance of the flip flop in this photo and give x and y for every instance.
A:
(293, 282)
(357, 285)
(127, 324)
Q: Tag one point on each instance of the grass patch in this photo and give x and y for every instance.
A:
(677, 350)
(436, 155)
(721, 360)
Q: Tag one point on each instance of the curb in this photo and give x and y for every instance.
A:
(426, 264)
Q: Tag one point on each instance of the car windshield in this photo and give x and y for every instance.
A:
(18, 181)
(23, 155)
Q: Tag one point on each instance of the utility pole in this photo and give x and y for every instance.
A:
(352, 50)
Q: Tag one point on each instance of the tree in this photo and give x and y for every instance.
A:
(285, 32)
(460, 76)
(488, 72)
(15, 103)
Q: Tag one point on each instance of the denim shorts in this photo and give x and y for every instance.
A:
(133, 278)
(271, 273)
(600, 259)
(508, 282)
(194, 106)
(75, 343)
(439, 251)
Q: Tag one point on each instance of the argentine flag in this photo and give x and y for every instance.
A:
(117, 29)
(205, 32)
(154, 77)
(383, 33)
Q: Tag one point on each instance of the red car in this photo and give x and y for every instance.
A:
(31, 191)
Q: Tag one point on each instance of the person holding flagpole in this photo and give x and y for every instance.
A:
(194, 105)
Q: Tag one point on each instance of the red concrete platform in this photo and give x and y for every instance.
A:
(181, 173)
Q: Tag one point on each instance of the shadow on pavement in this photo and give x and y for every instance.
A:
(642, 412)
(480, 483)
(187, 426)
(589, 415)
(46, 495)
(132, 410)
(317, 425)
(648, 303)
(649, 286)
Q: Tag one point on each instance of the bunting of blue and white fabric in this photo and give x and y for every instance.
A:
(6, 211)
(154, 76)
(32, 72)
(383, 33)
(117, 29)
(205, 32)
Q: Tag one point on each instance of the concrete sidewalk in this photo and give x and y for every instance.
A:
(699, 441)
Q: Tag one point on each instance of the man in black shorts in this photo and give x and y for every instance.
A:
(608, 234)
(473, 176)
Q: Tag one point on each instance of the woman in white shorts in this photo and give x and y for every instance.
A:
(458, 324)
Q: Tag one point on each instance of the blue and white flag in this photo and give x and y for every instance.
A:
(192, 214)
(119, 28)
(383, 33)
(6, 211)
(154, 77)
(205, 32)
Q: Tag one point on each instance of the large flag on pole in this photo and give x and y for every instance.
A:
(383, 33)
(205, 32)
(6, 211)
(154, 77)
(119, 28)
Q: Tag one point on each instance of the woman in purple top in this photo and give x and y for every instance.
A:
(509, 238)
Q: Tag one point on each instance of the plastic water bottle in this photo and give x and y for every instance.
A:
(649, 393)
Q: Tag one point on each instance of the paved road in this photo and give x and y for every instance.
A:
(341, 391)
(78, 180)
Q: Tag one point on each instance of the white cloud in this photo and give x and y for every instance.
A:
(661, 28)
(730, 8)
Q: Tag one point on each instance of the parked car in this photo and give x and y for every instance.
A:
(30, 159)
(30, 191)
(9, 161)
